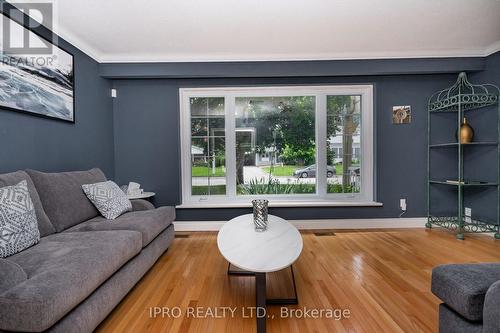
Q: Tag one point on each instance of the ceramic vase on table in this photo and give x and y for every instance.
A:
(260, 214)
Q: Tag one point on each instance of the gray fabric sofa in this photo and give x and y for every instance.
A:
(83, 265)
(470, 295)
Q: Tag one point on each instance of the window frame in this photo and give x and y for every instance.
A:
(321, 197)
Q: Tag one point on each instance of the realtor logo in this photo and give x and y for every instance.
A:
(16, 39)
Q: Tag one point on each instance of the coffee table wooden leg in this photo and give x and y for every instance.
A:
(260, 298)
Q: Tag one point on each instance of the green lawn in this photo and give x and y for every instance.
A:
(278, 171)
(285, 170)
(203, 171)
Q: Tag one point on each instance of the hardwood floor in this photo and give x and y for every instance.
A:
(382, 277)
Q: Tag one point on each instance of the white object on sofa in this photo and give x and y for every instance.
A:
(134, 189)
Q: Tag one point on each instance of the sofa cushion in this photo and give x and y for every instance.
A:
(18, 226)
(91, 312)
(452, 322)
(463, 286)
(44, 224)
(62, 196)
(108, 198)
(63, 270)
(11, 274)
(150, 223)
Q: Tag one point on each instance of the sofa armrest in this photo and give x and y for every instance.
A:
(141, 204)
(491, 309)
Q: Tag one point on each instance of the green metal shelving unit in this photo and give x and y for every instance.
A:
(461, 98)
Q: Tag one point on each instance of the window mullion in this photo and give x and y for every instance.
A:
(321, 162)
(185, 119)
(367, 145)
(230, 146)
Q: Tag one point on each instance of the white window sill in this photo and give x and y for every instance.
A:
(283, 204)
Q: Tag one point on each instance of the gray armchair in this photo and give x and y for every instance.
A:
(470, 295)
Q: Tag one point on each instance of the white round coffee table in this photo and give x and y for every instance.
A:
(258, 253)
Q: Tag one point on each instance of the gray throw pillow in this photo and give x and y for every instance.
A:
(108, 198)
(18, 224)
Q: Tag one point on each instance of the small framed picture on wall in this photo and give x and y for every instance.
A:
(401, 114)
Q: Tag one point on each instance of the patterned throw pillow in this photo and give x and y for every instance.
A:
(18, 224)
(108, 198)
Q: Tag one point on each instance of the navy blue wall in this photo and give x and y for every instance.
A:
(146, 127)
(491, 72)
(484, 202)
(31, 142)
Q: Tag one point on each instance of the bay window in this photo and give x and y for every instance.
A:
(298, 144)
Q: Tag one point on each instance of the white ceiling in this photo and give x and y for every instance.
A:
(239, 30)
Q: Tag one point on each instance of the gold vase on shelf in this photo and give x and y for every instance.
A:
(466, 132)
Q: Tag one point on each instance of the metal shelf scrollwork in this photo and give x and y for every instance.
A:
(465, 95)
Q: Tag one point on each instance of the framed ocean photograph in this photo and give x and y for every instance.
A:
(41, 85)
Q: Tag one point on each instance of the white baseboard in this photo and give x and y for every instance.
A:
(387, 223)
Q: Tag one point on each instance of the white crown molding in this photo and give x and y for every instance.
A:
(386, 223)
(493, 48)
(144, 58)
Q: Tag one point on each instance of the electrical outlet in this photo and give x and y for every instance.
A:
(402, 204)
(468, 211)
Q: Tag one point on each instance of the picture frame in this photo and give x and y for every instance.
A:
(401, 114)
(45, 90)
